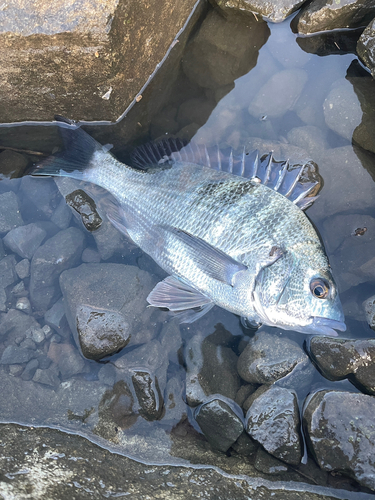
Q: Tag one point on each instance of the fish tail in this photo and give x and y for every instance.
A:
(76, 160)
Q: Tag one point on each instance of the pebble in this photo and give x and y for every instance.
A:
(20, 290)
(10, 216)
(23, 304)
(148, 393)
(23, 269)
(30, 369)
(16, 370)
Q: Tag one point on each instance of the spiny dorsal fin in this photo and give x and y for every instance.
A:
(298, 182)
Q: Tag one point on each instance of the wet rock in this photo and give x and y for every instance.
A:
(85, 206)
(342, 110)
(340, 358)
(10, 216)
(7, 271)
(279, 94)
(23, 269)
(369, 307)
(244, 392)
(23, 304)
(107, 374)
(67, 358)
(12, 164)
(16, 355)
(322, 15)
(89, 255)
(194, 111)
(366, 47)
(340, 438)
(105, 42)
(220, 423)
(49, 376)
(225, 48)
(332, 42)
(273, 421)
(101, 332)
(266, 463)
(268, 358)
(149, 397)
(275, 11)
(25, 240)
(15, 323)
(58, 253)
(30, 369)
(245, 445)
(62, 215)
(110, 287)
(210, 369)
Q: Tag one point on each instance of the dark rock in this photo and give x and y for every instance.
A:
(269, 358)
(266, 463)
(323, 15)
(334, 42)
(279, 94)
(275, 11)
(85, 206)
(25, 240)
(58, 253)
(110, 287)
(245, 445)
(340, 358)
(89, 255)
(210, 369)
(10, 216)
(223, 49)
(369, 307)
(366, 47)
(23, 304)
(12, 164)
(273, 421)
(49, 376)
(16, 355)
(341, 432)
(67, 358)
(23, 269)
(149, 397)
(15, 324)
(364, 88)
(107, 374)
(101, 332)
(7, 271)
(220, 424)
(244, 392)
(62, 215)
(30, 369)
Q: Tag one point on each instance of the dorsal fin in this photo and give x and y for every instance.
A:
(297, 182)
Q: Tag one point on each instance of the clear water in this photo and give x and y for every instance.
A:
(212, 107)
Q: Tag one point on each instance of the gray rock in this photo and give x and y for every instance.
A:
(62, 215)
(109, 241)
(148, 393)
(220, 423)
(339, 358)
(7, 271)
(16, 355)
(28, 343)
(174, 403)
(342, 110)
(15, 323)
(341, 430)
(58, 253)
(55, 317)
(266, 463)
(19, 290)
(269, 358)
(3, 300)
(149, 357)
(115, 287)
(10, 216)
(275, 11)
(37, 335)
(25, 240)
(107, 374)
(170, 339)
(89, 255)
(16, 370)
(2, 251)
(210, 369)
(279, 94)
(101, 332)
(23, 269)
(322, 15)
(49, 376)
(67, 358)
(311, 138)
(326, 43)
(30, 369)
(23, 304)
(366, 47)
(223, 49)
(273, 421)
(369, 307)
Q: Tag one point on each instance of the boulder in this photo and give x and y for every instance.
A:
(275, 11)
(366, 47)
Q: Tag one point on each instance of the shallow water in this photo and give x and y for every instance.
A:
(228, 94)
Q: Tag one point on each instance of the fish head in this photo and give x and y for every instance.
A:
(298, 292)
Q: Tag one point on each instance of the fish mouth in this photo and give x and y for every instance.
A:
(324, 326)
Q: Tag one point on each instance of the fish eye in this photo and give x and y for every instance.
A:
(319, 288)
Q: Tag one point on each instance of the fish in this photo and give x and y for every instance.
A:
(228, 228)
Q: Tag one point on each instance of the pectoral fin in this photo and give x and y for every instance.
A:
(180, 298)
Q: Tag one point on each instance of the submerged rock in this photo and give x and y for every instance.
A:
(14, 324)
(10, 216)
(25, 240)
(219, 423)
(85, 206)
(323, 15)
(148, 393)
(340, 358)
(341, 433)
(7, 271)
(366, 47)
(369, 307)
(273, 421)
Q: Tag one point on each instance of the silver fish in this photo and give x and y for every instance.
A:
(222, 237)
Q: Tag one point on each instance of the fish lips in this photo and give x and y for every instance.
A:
(324, 326)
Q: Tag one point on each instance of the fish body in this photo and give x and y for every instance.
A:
(223, 239)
